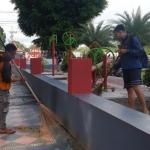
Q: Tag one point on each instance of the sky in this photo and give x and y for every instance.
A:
(114, 6)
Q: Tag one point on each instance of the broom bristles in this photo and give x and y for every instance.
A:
(98, 89)
(49, 119)
(50, 115)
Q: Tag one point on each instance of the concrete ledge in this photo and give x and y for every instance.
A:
(97, 123)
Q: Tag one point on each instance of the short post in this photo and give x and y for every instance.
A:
(35, 65)
(17, 61)
(22, 63)
(105, 72)
(79, 76)
(94, 77)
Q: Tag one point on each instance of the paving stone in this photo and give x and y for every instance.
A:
(24, 117)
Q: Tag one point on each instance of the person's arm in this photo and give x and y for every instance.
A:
(21, 79)
(117, 65)
(136, 50)
(100, 64)
(97, 65)
(6, 74)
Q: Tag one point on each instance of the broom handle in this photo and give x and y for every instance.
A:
(22, 76)
(26, 82)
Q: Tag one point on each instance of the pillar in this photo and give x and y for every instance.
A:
(105, 72)
(79, 76)
(22, 63)
(35, 65)
(17, 61)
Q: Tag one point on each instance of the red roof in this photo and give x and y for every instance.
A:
(18, 49)
(36, 48)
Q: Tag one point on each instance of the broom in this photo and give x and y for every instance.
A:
(48, 118)
(98, 90)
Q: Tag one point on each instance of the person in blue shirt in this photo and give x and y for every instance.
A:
(131, 66)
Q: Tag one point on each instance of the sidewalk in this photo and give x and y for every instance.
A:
(24, 117)
(120, 92)
(117, 82)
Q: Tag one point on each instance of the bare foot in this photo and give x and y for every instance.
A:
(146, 112)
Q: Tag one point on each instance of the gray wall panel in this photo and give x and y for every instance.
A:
(97, 123)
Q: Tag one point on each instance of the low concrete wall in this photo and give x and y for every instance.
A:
(97, 123)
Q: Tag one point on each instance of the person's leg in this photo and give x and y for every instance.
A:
(141, 98)
(131, 97)
(2, 114)
(4, 107)
(130, 91)
(136, 81)
(58, 66)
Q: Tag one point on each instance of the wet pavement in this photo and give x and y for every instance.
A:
(24, 117)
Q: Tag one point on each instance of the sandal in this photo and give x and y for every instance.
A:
(7, 131)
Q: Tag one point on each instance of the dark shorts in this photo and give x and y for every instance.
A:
(132, 78)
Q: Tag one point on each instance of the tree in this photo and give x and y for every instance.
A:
(89, 34)
(46, 17)
(3, 38)
(31, 46)
(136, 24)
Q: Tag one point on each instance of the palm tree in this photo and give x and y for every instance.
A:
(89, 34)
(136, 24)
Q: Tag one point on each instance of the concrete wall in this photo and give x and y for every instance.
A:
(97, 123)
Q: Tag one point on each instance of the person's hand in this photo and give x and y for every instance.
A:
(22, 79)
(119, 71)
(123, 51)
(109, 60)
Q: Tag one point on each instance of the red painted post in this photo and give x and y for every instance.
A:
(105, 71)
(53, 57)
(17, 61)
(35, 65)
(22, 63)
(79, 76)
(70, 48)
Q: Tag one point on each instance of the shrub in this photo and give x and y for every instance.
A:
(146, 77)
(64, 65)
(44, 62)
